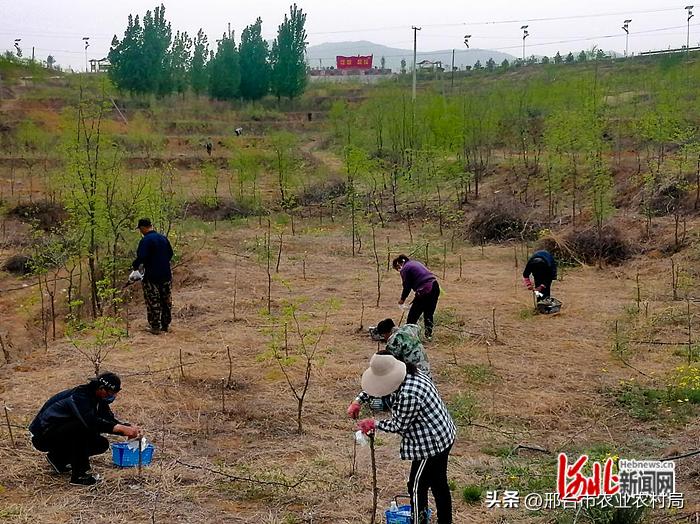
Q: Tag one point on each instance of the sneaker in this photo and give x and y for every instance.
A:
(164, 329)
(85, 480)
(57, 466)
(153, 331)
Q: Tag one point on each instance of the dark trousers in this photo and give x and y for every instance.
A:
(159, 303)
(543, 280)
(71, 443)
(425, 305)
(542, 274)
(430, 473)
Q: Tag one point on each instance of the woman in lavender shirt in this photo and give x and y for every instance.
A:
(416, 277)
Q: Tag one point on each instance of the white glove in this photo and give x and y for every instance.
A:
(135, 276)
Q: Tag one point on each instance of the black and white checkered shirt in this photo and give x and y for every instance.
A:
(420, 416)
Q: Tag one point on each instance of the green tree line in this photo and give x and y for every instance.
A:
(558, 139)
(149, 59)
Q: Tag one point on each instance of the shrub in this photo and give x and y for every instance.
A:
(471, 494)
(499, 221)
(221, 210)
(665, 199)
(18, 265)
(642, 403)
(685, 384)
(45, 214)
(464, 408)
(559, 248)
(322, 192)
(591, 246)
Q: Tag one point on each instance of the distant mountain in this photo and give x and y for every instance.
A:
(328, 51)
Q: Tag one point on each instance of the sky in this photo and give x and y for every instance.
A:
(57, 27)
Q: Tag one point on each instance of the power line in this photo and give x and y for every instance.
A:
(60, 34)
(577, 17)
(511, 21)
(93, 53)
(67, 36)
(536, 44)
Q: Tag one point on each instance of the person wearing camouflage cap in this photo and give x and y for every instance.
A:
(405, 344)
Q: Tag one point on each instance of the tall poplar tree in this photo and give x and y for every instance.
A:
(199, 78)
(179, 58)
(157, 37)
(126, 58)
(255, 67)
(224, 71)
(289, 74)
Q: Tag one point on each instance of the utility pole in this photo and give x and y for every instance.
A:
(452, 79)
(18, 48)
(86, 39)
(415, 36)
(229, 30)
(626, 29)
(526, 33)
(688, 8)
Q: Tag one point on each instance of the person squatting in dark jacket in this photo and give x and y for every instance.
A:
(543, 268)
(416, 277)
(69, 425)
(427, 430)
(404, 343)
(154, 254)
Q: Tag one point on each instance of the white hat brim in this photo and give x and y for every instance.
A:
(382, 385)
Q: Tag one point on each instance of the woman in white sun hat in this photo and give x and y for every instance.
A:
(427, 431)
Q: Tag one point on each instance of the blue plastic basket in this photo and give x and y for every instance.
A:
(403, 513)
(125, 457)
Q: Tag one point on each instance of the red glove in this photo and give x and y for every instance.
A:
(366, 425)
(354, 409)
(527, 283)
(540, 288)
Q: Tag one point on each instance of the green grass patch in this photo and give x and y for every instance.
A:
(528, 477)
(682, 352)
(677, 401)
(497, 451)
(464, 408)
(526, 313)
(478, 373)
(642, 403)
(472, 494)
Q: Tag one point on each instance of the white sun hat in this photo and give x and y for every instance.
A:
(384, 375)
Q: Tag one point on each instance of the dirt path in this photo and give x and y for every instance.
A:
(325, 157)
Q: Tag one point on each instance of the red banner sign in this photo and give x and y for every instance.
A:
(353, 62)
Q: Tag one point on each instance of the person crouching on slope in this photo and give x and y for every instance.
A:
(69, 425)
(543, 268)
(404, 343)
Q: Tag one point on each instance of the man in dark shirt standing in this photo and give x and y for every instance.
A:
(154, 254)
(69, 425)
